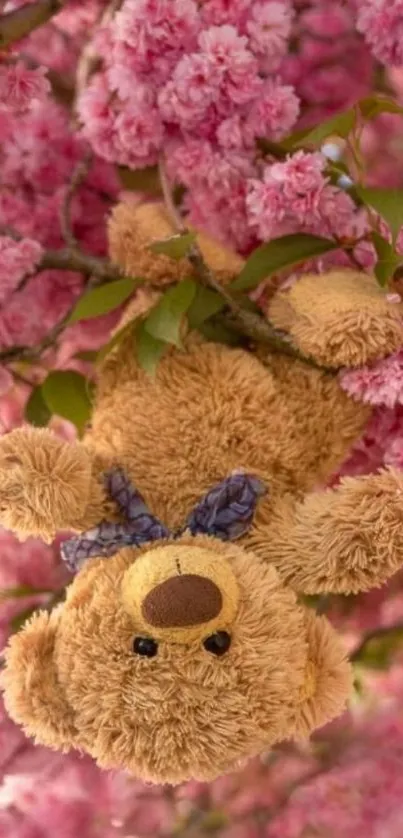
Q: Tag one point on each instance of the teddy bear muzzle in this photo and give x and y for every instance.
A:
(180, 593)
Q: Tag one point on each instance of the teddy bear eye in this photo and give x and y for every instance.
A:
(218, 643)
(145, 646)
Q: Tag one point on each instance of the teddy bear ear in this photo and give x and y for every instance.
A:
(32, 695)
(328, 678)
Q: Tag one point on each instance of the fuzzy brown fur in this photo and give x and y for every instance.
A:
(72, 678)
(132, 227)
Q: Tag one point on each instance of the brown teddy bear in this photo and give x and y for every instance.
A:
(183, 648)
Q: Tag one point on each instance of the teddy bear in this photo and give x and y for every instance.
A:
(198, 522)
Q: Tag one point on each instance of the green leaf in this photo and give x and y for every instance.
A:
(340, 125)
(372, 106)
(176, 246)
(388, 259)
(36, 409)
(214, 821)
(165, 319)
(90, 355)
(101, 300)
(277, 254)
(115, 340)
(318, 602)
(379, 649)
(205, 304)
(276, 150)
(140, 180)
(20, 592)
(66, 394)
(149, 350)
(388, 203)
(245, 302)
(220, 333)
(20, 619)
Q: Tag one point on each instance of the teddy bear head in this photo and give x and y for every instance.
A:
(174, 659)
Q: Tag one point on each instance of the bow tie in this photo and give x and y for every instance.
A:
(225, 512)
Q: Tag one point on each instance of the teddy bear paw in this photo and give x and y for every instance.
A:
(44, 483)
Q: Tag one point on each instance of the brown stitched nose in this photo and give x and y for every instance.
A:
(186, 600)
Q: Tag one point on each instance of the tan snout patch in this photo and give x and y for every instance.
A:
(180, 592)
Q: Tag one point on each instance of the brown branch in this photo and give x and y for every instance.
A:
(98, 272)
(247, 323)
(33, 353)
(79, 174)
(195, 255)
(70, 259)
(17, 24)
(89, 61)
(6, 230)
(73, 259)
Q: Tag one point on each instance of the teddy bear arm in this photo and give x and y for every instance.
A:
(48, 485)
(342, 540)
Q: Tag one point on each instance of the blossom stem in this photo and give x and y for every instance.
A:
(17, 24)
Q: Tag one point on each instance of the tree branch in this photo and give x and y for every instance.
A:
(79, 174)
(70, 259)
(89, 60)
(33, 353)
(17, 24)
(73, 259)
(247, 323)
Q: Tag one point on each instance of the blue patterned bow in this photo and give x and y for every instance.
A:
(226, 512)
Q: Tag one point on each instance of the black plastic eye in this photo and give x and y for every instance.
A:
(217, 644)
(145, 646)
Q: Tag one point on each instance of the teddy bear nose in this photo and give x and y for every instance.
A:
(182, 600)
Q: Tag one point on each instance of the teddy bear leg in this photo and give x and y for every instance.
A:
(342, 540)
(48, 485)
(323, 422)
(340, 319)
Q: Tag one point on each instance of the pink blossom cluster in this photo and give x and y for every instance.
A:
(39, 149)
(20, 86)
(379, 384)
(171, 70)
(44, 794)
(329, 66)
(37, 155)
(296, 195)
(381, 23)
(359, 794)
(58, 45)
(199, 83)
